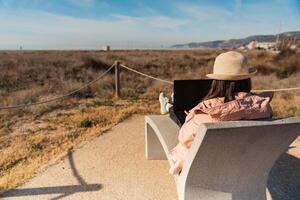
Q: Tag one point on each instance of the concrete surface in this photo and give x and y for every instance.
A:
(112, 166)
(231, 160)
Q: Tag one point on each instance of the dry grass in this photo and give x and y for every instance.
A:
(30, 137)
(32, 143)
(29, 76)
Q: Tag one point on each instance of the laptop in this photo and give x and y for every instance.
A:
(187, 94)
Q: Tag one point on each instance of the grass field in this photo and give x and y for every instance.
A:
(30, 137)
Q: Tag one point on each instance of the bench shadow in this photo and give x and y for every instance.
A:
(64, 191)
(284, 178)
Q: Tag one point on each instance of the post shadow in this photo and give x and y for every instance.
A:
(64, 191)
(284, 178)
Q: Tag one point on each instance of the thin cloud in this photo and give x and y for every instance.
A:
(238, 4)
(158, 21)
(203, 13)
(19, 5)
(60, 31)
(145, 9)
(85, 4)
(37, 24)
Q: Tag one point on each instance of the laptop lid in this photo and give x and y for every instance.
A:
(188, 93)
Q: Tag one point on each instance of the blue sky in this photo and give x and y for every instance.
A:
(91, 24)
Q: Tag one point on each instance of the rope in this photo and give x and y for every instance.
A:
(277, 90)
(60, 97)
(146, 75)
(170, 82)
(130, 69)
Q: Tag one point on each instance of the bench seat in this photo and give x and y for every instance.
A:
(227, 160)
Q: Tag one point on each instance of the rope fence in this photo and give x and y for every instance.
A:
(278, 90)
(117, 65)
(146, 75)
(60, 97)
(171, 83)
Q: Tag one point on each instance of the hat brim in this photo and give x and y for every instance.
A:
(233, 77)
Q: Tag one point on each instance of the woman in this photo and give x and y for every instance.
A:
(228, 99)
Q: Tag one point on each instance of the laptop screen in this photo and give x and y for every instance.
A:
(187, 94)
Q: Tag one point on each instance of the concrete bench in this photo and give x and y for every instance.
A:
(227, 160)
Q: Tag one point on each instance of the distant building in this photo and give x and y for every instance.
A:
(106, 48)
(261, 45)
(293, 47)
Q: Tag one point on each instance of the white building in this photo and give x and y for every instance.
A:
(261, 45)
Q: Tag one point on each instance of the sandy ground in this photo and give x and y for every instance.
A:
(112, 166)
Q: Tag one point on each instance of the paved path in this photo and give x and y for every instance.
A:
(112, 166)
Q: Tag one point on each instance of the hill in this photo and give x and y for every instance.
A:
(234, 43)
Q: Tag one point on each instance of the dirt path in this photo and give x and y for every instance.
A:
(112, 166)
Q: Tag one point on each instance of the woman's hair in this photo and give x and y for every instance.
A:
(228, 89)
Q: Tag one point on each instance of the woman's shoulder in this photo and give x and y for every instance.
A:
(240, 95)
(246, 106)
(209, 103)
(218, 102)
(262, 95)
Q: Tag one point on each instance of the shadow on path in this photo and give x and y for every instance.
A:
(284, 178)
(62, 190)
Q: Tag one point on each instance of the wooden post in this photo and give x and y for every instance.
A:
(117, 79)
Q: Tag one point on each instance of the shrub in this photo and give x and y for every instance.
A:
(284, 54)
(36, 146)
(92, 63)
(86, 123)
(84, 93)
(108, 102)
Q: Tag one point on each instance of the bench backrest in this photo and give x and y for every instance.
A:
(227, 153)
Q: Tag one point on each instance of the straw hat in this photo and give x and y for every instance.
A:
(231, 65)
